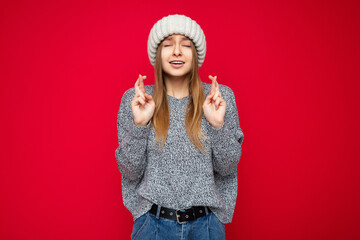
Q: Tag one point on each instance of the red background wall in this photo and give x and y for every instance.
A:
(294, 68)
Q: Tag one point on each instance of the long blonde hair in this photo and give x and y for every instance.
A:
(194, 111)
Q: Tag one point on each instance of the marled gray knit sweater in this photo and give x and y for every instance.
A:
(180, 176)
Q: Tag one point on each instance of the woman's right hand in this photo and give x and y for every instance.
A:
(142, 105)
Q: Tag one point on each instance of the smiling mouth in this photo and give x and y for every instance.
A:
(177, 62)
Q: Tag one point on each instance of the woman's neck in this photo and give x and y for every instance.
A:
(177, 87)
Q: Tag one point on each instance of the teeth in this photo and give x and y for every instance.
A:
(177, 62)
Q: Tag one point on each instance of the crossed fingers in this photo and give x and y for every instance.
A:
(215, 91)
(140, 90)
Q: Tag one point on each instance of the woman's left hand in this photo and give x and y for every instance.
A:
(214, 106)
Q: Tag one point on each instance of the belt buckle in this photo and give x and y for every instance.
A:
(177, 216)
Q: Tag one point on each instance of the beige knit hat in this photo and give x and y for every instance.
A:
(179, 24)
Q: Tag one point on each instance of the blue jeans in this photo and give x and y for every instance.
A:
(152, 227)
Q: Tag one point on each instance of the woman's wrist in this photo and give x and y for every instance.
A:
(142, 124)
(217, 126)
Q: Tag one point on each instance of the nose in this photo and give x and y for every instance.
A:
(177, 50)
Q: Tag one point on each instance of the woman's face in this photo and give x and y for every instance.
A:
(176, 47)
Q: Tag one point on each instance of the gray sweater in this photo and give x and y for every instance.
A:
(181, 175)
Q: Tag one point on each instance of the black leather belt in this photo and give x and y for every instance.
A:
(189, 214)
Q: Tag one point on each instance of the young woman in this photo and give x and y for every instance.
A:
(179, 141)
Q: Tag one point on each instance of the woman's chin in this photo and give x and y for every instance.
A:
(176, 73)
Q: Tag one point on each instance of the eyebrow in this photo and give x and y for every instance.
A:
(183, 38)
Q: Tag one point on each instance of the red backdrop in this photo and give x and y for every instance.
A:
(294, 69)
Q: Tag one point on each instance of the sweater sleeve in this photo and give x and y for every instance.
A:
(226, 141)
(131, 152)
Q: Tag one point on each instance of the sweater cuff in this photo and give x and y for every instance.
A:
(218, 134)
(140, 132)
